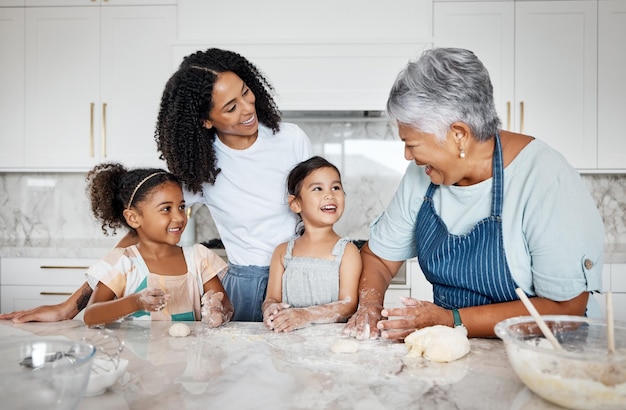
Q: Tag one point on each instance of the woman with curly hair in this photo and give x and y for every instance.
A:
(220, 132)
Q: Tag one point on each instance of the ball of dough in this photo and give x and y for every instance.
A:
(438, 343)
(179, 330)
(345, 346)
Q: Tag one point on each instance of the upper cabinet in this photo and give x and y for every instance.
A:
(319, 55)
(11, 86)
(93, 80)
(543, 62)
(611, 84)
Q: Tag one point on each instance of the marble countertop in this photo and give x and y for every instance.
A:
(244, 366)
(97, 248)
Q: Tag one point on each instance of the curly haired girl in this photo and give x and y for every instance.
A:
(155, 278)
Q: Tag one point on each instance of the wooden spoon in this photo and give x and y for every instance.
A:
(610, 327)
(612, 374)
(540, 322)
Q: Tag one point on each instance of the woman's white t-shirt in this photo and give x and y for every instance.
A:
(248, 201)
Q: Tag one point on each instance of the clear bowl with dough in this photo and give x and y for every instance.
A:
(584, 375)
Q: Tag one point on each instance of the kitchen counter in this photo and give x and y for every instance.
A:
(245, 366)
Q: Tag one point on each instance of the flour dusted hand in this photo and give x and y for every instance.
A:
(213, 312)
(290, 319)
(270, 313)
(438, 343)
(152, 300)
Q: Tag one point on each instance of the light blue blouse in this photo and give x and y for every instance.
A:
(553, 232)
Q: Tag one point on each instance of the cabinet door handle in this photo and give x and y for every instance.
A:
(508, 115)
(63, 267)
(91, 108)
(55, 293)
(521, 117)
(104, 130)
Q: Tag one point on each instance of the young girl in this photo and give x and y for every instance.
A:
(155, 278)
(313, 278)
(221, 134)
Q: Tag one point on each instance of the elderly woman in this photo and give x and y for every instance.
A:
(484, 210)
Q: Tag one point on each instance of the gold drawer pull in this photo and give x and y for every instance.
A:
(63, 267)
(55, 293)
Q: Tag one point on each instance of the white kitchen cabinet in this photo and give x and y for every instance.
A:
(542, 58)
(94, 78)
(11, 86)
(421, 288)
(415, 285)
(491, 38)
(29, 282)
(611, 84)
(400, 287)
(614, 280)
(320, 55)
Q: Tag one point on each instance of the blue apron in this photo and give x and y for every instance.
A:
(471, 269)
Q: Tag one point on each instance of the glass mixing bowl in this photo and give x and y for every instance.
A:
(582, 376)
(44, 373)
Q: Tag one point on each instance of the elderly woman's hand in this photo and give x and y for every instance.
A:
(362, 325)
(415, 314)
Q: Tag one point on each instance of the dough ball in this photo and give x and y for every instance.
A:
(438, 343)
(345, 346)
(179, 330)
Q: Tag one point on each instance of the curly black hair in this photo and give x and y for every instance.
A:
(185, 144)
(110, 188)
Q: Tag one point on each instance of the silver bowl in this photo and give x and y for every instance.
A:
(581, 376)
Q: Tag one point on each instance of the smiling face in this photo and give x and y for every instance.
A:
(321, 199)
(233, 114)
(440, 159)
(160, 217)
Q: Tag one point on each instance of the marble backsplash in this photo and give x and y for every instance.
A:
(49, 206)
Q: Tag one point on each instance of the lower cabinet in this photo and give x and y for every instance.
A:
(409, 282)
(29, 282)
(400, 287)
(614, 280)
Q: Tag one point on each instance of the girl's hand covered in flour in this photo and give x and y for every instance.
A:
(213, 312)
(270, 313)
(152, 300)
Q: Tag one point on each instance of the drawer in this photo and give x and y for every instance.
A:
(618, 277)
(25, 297)
(392, 297)
(44, 271)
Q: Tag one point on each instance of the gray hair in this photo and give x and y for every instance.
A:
(443, 86)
